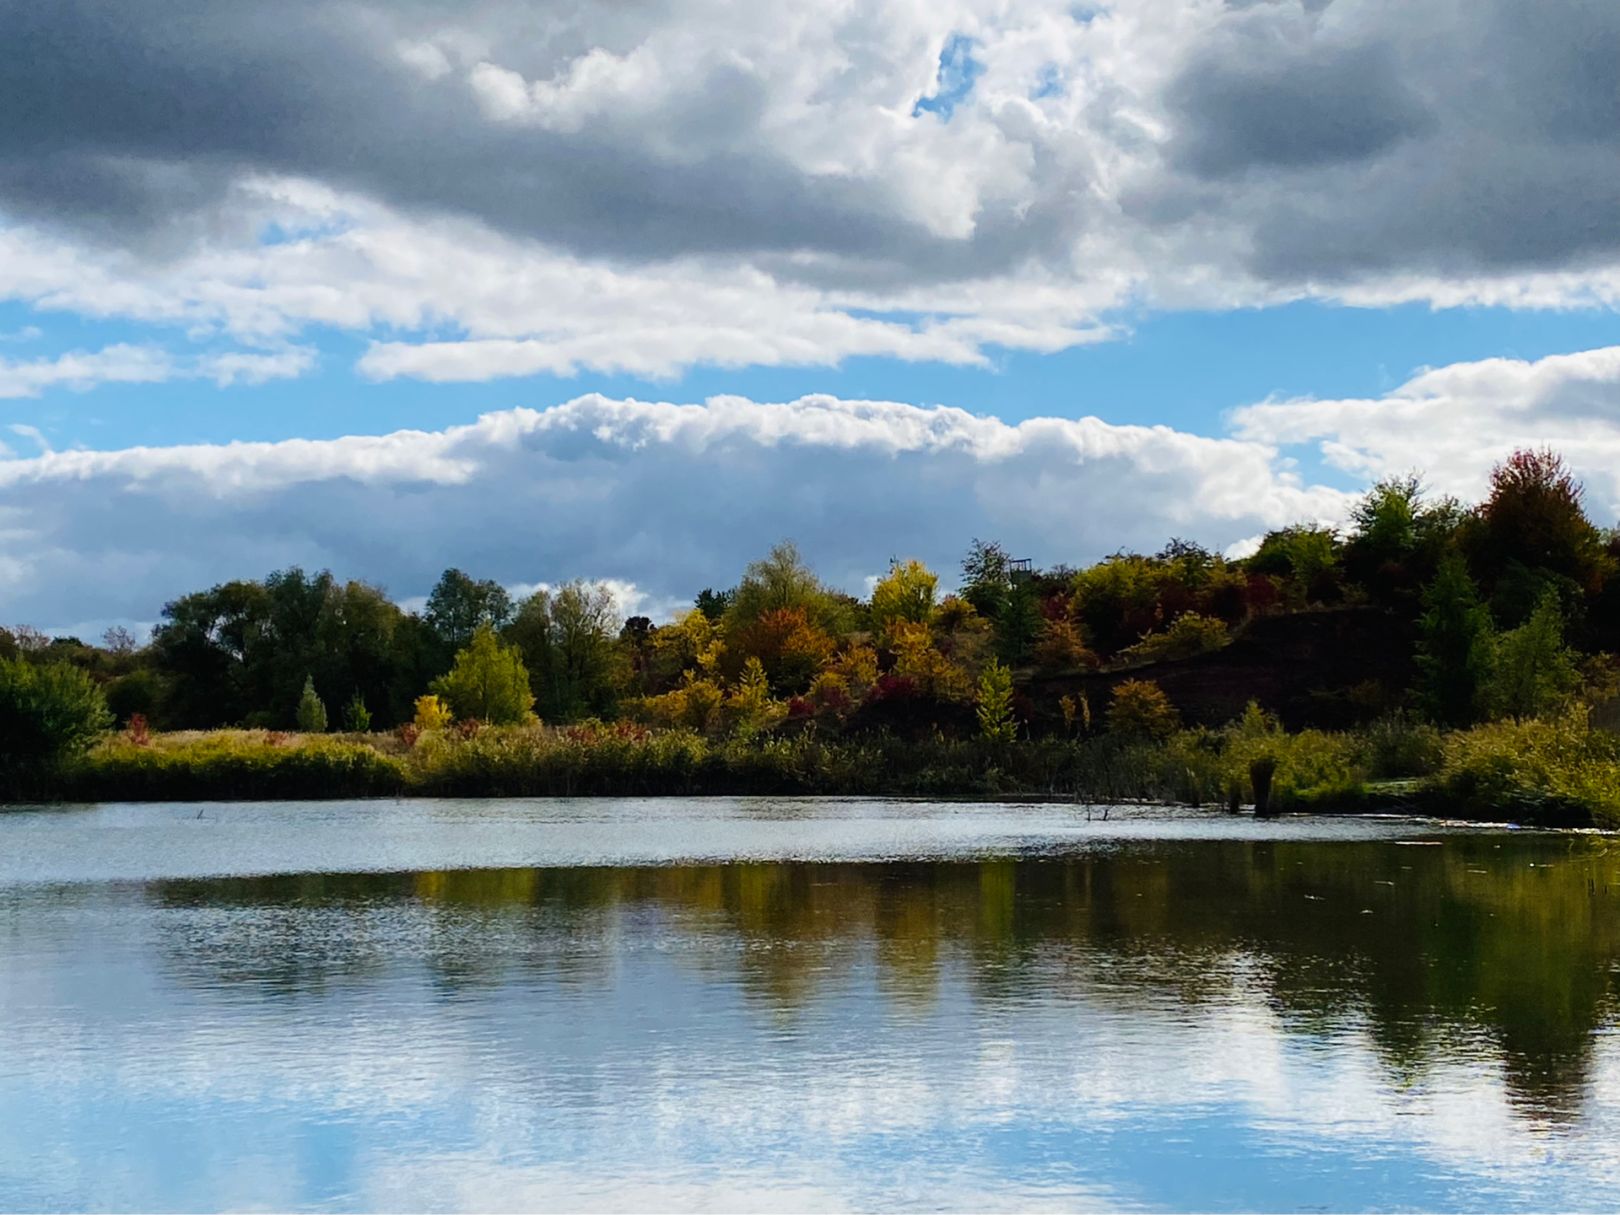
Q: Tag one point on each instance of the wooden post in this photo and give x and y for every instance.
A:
(1260, 773)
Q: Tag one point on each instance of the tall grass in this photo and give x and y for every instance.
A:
(1556, 771)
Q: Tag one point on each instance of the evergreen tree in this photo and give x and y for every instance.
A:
(311, 712)
(356, 717)
(996, 721)
(1454, 647)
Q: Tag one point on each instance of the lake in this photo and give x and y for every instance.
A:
(806, 1005)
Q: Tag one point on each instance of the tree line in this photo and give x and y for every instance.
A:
(1514, 601)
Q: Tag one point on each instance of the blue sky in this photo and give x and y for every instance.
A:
(1310, 242)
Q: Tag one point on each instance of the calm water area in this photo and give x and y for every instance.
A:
(801, 1005)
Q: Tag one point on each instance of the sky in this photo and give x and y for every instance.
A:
(632, 289)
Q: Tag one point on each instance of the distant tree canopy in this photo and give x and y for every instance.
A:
(1514, 602)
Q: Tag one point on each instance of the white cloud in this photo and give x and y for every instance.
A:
(124, 363)
(83, 370)
(658, 499)
(1453, 423)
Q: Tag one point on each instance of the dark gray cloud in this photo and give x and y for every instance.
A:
(1256, 107)
(1304, 143)
(130, 117)
(1369, 138)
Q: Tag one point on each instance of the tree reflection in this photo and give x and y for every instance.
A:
(1481, 942)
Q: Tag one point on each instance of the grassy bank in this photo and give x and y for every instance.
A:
(1558, 771)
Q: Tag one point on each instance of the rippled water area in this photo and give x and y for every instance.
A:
(800, 1005)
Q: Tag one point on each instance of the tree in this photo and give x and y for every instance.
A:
(906, 592)
(1533, 671)
(1454, 646)
(996, 721)
(791, 647)
(49, 712)
(213, 645)
(459, 606)
(567, 641)
(356, 717)
(1534, 515)
(488, 682)
(781, 582)
(311, 714)
(713, 603)
(987, 578)
(1140, 709)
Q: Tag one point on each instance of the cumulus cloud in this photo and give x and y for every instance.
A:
(1454, 422)
(666, 497)
(512, 187)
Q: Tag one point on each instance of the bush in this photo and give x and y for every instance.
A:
(48, 714)
(1559, 771)
(431, 714)
(1189, 634)
(1140, 709)
(1400, 746)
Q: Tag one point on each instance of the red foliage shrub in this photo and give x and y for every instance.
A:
(892, 687)
(138, 732)
(409, 733)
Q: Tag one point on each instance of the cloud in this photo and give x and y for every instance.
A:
(666, 497)
(509, 187)
(125, 363)
(1453, 423)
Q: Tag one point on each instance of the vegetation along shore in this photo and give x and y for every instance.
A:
(1432, 656)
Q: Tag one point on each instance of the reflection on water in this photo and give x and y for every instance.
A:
(1211, 1023)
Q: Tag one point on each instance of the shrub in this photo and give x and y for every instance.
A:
(1557, 770)
(1400, 746)
(1189, 634)
(138, 732)
(49, 713)
(311, 712)
(431, 714)
(1140, 709)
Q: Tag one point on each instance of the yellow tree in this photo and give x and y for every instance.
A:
(905, 593)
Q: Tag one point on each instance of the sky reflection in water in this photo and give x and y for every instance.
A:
(1051, 1013)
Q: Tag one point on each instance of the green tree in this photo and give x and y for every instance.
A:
(906, 592)
(567, 638)
(1454, 646)
(782, 582)
(987, 578)
(1533, 672)
(458, 606)
(49, 712)
(996, 721)
(488, 682)
(311, 714)
(356, 717)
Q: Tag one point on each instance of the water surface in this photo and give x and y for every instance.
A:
(800, 1005)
